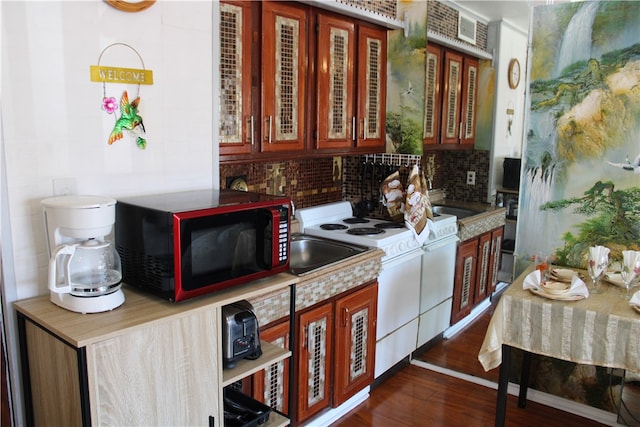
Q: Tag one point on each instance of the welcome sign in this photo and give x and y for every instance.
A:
(121, 75)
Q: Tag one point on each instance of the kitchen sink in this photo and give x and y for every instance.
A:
(451, 210)
(308, 253)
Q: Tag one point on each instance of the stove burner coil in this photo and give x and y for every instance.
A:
(390, 224)
(333, 226)
(355, 220)
(364, 231)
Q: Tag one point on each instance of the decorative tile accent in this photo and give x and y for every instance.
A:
(276, 306)
(386, 8)
(473, 229)
(443, 19)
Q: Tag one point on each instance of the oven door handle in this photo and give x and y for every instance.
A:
(430, 247)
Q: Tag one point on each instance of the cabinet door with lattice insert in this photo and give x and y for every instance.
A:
(314, 343)
(271, 386)
(451, 98)
(483, 271)
(284, 71)
(372, 81)
(236, 119)
(469, 95)
(465, 278)
(432, 104)
(355, 342)
(335, 82)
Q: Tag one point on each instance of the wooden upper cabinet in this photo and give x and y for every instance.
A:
(433, 68)
(236, 119)
(469, 101)
(284, 71)
(335, 82)
(458, 98)
(452, 86)
(372, 84)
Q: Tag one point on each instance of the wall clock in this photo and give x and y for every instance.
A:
(131, 5)
(514, 73)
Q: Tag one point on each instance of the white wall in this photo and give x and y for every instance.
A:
(508, 42)
(53, 125)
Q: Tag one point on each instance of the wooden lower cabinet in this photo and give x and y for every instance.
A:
(162, 374)
(477, 266)
(148, 362)
(335, 350)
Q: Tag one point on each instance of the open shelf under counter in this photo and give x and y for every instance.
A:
(270, 354)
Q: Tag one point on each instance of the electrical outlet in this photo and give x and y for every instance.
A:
(64, 186)
(471, 177)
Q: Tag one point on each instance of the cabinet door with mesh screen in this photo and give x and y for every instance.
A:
(271, 386)
(469, 94)
(355, 342)
(433, 67)
(335, 83)
(451, 98)
(372, 83)
(465, 279)
(284, 69)
(237, 124)
(314, 343)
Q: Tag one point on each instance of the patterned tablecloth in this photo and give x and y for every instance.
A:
(602, 330)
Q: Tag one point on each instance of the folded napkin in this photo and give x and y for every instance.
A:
(635, 299)
(578, 287)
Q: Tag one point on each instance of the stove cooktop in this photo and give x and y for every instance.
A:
(393, 237)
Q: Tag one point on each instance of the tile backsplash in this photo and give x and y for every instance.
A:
(310, 182)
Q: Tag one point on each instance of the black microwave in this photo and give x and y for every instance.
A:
(182, 245)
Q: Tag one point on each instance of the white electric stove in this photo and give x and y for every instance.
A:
(399, 281)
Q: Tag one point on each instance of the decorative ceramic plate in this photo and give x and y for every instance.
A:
(562, 274)
(555, 288)
(563, 297)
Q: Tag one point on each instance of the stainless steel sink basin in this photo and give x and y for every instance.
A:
(450, 210)
(308, 253)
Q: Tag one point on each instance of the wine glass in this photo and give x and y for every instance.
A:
(630, 268)
(598, 262)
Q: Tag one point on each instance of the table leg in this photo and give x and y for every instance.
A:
(503, 384)
(524, 379)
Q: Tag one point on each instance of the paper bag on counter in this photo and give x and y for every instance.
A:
(393, 199)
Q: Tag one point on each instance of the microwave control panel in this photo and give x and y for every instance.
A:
(283, 241)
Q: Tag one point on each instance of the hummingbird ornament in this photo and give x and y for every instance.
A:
(129, 120)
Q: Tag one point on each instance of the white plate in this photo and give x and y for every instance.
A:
(555, 288)
(562, 274)
(563, 297)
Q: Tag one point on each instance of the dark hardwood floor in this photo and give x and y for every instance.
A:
(416, 396)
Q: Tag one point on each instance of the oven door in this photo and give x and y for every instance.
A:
(398, 292)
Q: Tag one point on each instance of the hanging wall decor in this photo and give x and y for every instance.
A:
(128, 119)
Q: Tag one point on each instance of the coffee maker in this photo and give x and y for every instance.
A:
(85, 274)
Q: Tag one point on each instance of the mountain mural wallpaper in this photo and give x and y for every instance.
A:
(580, 183)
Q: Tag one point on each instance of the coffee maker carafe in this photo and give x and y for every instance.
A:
(85, 274)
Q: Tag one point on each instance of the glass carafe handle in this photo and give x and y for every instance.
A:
(54, 286)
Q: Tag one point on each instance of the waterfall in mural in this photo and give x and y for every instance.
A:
(583, 131)
(576, 42)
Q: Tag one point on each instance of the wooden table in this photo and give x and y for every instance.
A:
(602, 330)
